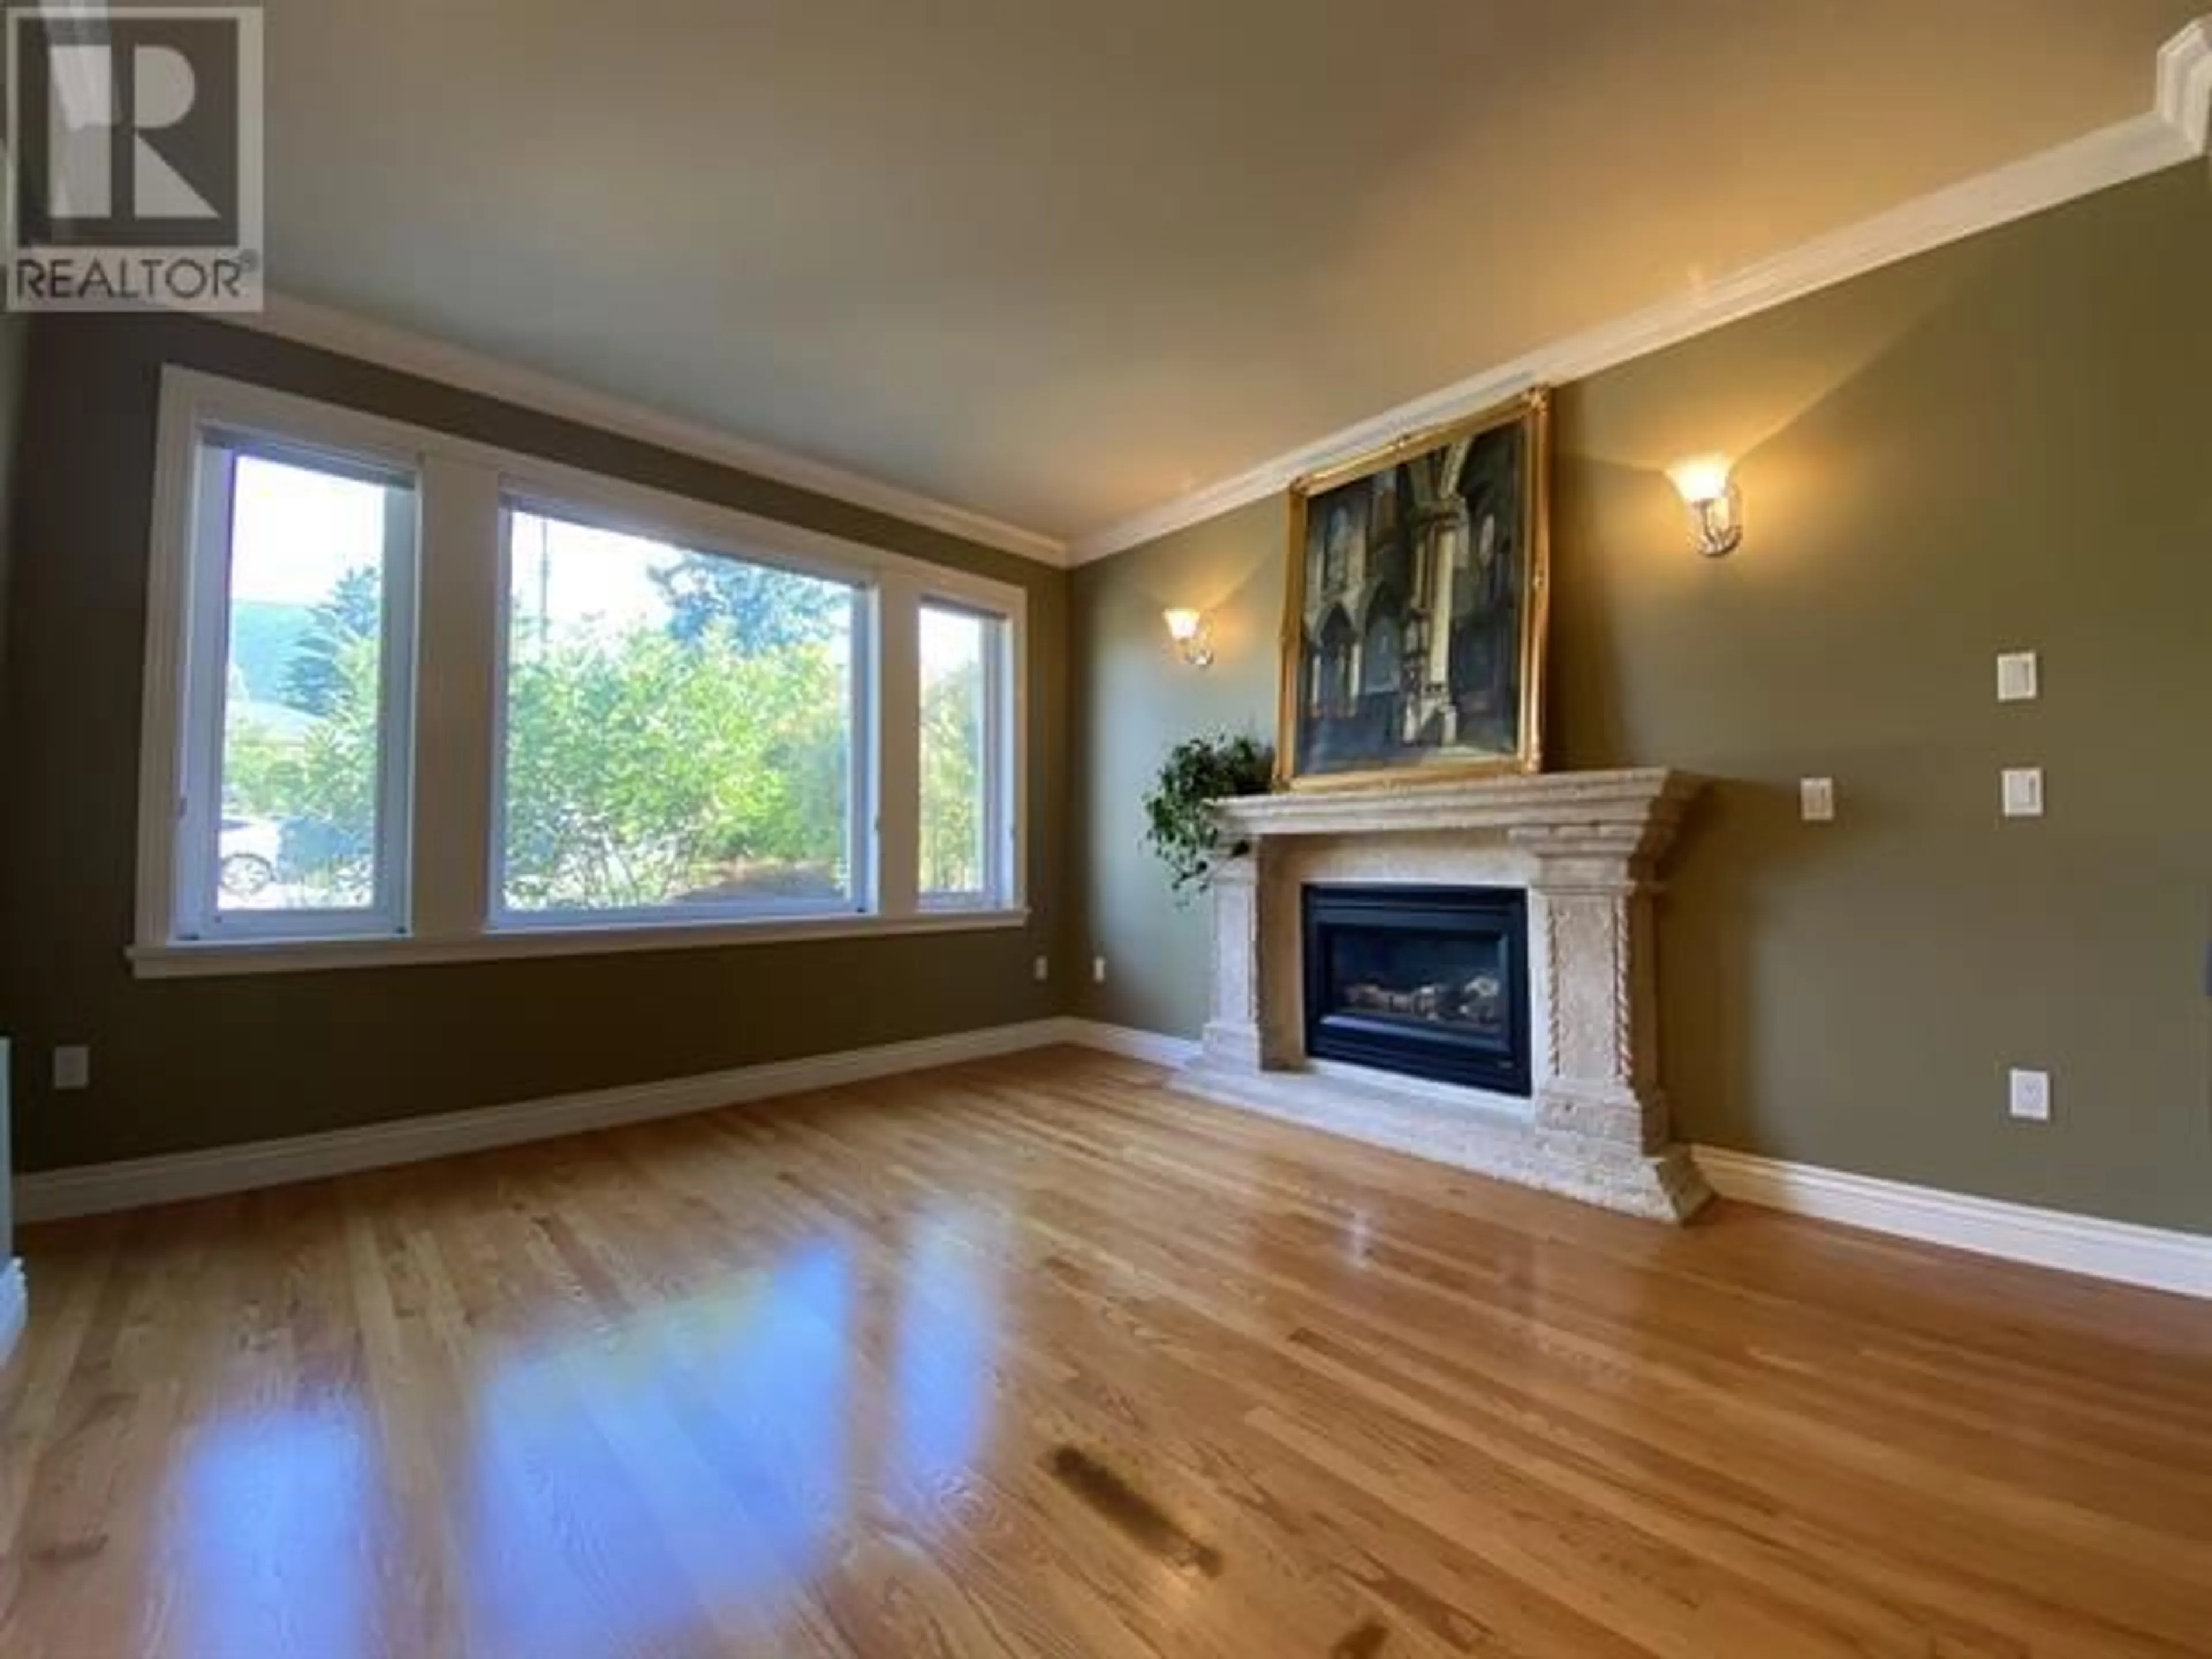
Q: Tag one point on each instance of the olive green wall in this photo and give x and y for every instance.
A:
(189, 1063)
(14, 342)
(2003, 443)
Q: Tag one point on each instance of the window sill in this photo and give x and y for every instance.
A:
(266, 956)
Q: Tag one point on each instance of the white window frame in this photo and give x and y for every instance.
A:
(193, 591)
(860, 806)
(448, 840)
(1000, 812)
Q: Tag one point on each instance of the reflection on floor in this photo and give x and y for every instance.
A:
(1036, 1359)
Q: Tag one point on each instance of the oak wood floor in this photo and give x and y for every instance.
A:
(1034, 1358)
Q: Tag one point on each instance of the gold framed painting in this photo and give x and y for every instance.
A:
(1417, 604)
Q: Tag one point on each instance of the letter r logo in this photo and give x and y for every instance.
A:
(80, 110)
(161, 90)
(84, 115)
(133, 162)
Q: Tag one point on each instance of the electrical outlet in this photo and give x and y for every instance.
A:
(2031, 1096)
(72, 1066)
(1816, 800)
(1097, 970)
(2019, 678)
(1041, 969)
(2022, 791)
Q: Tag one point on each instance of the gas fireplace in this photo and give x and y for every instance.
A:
(1429, 982)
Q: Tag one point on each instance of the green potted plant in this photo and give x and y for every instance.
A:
(1179, 822)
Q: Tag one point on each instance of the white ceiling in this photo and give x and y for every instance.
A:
(1060, 263)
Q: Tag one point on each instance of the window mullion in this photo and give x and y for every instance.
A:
(898, 745)
(396, 707)
(206, 589)
(864, 781)
(456, 697)
(999, 766)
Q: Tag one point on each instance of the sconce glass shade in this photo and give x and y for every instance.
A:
(1188, 630)
(1715, 504)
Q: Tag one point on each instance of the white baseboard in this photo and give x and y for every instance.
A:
(2118, 1251)
(2049, 1238)
(15, 1308)
(1127, 1040)
(100, 1188)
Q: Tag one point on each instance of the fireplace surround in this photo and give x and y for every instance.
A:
(1583, 850)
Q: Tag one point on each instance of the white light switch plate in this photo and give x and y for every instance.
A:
(1816, 800)
(2018, 677)
(1097, 970)
(2022, 792)
(2031, 1096)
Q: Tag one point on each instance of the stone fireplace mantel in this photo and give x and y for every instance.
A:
(1586, 845)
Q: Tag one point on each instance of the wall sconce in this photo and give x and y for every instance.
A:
(1715, 504)
(1192, 636)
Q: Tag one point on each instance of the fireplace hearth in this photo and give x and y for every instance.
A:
(1427, 981)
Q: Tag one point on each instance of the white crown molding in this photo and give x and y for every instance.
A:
(15, 1308)
(2185, 83)
(100, 1188)
(2118, 1251)
(2172, 131)
(351, 335)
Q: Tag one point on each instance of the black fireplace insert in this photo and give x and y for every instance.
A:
(1431, 982)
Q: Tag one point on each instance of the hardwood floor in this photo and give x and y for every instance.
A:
(1035, 1358)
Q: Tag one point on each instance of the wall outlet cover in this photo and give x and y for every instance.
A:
(2031, 1095)
(72, 1066)
(1816, 800)
(2021, 791)
(1041, 969)
(1097, 970)
(2019, 678)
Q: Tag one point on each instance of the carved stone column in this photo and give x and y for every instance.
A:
(1600, 1115)
(1230, 1040)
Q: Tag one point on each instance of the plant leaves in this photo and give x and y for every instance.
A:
(1178, 810)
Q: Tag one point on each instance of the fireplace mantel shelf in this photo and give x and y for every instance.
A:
(1586, 847)
(1635, 811)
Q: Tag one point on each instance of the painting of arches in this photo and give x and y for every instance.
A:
(1336, 662)
(1417, 601)
(1381, 655)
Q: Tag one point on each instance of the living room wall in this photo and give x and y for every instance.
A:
(2004, 444)
(187, 1063)
(15, 341)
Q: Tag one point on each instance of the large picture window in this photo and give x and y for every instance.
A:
(292, 814)
(410, 697)
(678, 729)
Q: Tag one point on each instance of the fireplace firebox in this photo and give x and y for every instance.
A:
(1429, 982)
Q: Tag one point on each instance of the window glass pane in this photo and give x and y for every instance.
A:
(678, 727)
(302, 689)
(957, 649)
